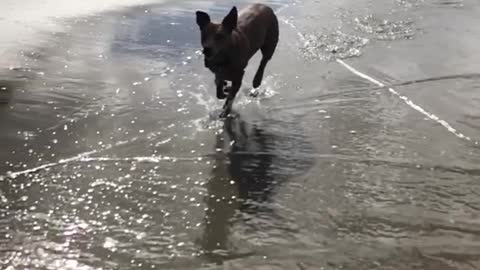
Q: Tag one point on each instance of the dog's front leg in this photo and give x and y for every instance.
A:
(233, 90)
(220, 84)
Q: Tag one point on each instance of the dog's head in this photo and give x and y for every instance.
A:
(216, 37)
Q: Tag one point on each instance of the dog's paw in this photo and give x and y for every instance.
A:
(221, 95)
(227, 108)
(257, 81)
(223, 114)
(227, 90)
(254, 93)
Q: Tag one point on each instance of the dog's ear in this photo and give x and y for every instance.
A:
(202, 19)
(230, 21)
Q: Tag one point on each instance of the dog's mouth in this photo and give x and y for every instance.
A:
(210, 60)
(210, 56)
(214, 58)
(216, 61)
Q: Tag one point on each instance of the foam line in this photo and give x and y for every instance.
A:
(49, 165)
(407, 101)
(86, 157)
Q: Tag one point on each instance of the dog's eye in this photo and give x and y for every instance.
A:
(219, 36)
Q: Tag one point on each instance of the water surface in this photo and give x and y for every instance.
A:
(113, 157)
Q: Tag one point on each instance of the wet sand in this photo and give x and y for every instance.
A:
(360, 152)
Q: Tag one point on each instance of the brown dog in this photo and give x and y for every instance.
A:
(228, 46)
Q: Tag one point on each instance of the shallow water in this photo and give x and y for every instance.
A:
(113, 157)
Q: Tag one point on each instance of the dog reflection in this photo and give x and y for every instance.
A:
(250, 165)
(242, 180)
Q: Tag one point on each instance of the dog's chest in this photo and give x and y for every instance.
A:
(229, 74)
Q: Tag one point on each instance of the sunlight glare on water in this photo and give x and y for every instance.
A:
(114, 157)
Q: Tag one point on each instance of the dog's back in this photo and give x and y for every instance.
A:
(259, 23)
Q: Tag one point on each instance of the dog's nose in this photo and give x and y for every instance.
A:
(207, 52)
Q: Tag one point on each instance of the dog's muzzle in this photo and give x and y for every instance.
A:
(215, 63)
(207, 52)
(211, 65)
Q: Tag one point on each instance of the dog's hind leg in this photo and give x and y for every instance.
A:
(267, 49)
(267, 53)
(257, 80)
